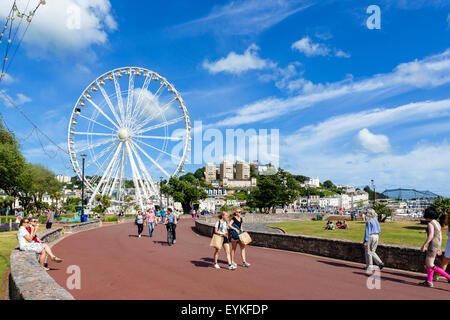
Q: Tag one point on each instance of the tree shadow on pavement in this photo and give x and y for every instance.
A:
(384, 278)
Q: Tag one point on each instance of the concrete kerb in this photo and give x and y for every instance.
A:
(27, 280)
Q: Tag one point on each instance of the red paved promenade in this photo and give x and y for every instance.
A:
(115, 264)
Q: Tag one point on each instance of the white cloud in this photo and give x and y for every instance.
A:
(19, 100)
(424, 167)
(336, 127)
(309, 48)
(372, 142)
(341, 54)
(243, 17)
(51, 31)
(8, 79)
(430, 72)
(237, 63)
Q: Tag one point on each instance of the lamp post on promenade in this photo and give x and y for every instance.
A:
(83, 156)
(160, 192)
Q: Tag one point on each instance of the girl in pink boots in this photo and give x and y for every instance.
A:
(434, 242)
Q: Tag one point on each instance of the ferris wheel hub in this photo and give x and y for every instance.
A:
(124, 134)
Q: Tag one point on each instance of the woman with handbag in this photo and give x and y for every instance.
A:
(221, 230)
(236, 229)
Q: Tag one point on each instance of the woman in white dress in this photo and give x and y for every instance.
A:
(26, 243)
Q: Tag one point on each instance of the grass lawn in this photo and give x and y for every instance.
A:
(8, 241)
(402, 233)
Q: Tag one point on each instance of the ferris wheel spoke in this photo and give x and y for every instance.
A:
(96, 134)
(99, 155)
(110, 105)
(130, 98)
(92, 120)
(160, 150)
(93, 146)
(143, 89)
(160, 111)
(152, 160)
(135, 175)
(103, 113)
(119, 99)
(163, 124)
(148, 178)
(161, 138)
(97, 176)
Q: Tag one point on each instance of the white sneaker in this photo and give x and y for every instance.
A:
(139, 236)
(216, 266)
(234, 264)
(231, 267)
(174, 241)
(246, 264)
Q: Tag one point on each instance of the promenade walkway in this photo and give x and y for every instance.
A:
(116, 264)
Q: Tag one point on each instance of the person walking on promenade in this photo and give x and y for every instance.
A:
(171, 222)
(371, 238)
(139, 221)
(50, 219)
(26, 243)
(446, 258)
(235, 227)
(434, 242)
(150, 221)
(221, 229)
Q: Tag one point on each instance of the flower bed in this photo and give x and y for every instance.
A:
(5, 227)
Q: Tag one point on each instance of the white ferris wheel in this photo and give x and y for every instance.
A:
(130, 137)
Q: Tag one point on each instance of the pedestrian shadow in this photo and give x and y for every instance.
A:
(384, 271)
(400, 280)
(207, 262)
(136, 236)
(163, 243)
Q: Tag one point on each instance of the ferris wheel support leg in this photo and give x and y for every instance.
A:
(135, 181)
(113, 160)
(148, 181)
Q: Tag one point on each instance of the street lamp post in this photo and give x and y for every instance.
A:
(83, 156)
(160, 192)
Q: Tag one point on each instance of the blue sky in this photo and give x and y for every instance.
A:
(351, 104)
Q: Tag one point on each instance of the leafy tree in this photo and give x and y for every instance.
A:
(71, 203)
(186, 190)
(7, 202)
(200, 173)
(11, 162)
(127, 204)
(329, 184)
(279, 189)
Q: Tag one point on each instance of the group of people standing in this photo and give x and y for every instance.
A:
(230, 228)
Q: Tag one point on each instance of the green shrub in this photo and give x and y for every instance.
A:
(112, 219)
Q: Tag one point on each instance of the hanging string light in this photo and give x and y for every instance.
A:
(11, 29)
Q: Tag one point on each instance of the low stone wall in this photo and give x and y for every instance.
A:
(28, 281)
(125, 219)
(269, 218)
(398, 257)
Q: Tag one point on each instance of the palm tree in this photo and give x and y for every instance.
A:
(443, 207)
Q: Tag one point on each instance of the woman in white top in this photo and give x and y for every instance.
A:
(26, 243)
(221, 229)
